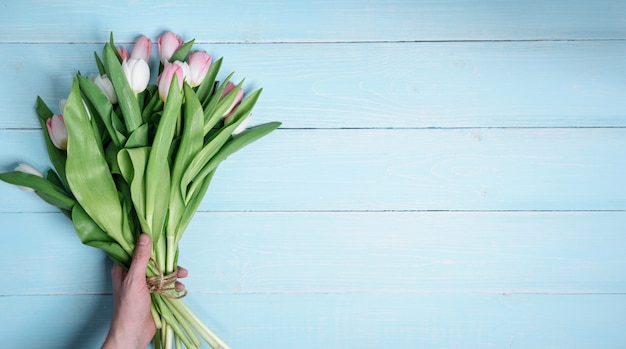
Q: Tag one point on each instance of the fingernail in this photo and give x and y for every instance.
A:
(143, 239)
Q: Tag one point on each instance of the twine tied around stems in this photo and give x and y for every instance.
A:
(163, 284)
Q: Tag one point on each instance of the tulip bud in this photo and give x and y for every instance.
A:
(242, 126)
(107, 87)
(123, 52)
(137, 73)
(199, 63)
(229, 87)
(62, 103)
(165, 79)
(142, 49)
(27, 169)
(168, 44)
(185, 69)
(57, 131)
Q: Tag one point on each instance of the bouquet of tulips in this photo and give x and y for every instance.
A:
(134, 157)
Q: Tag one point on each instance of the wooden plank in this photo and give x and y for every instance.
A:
(311, 21)
(344, 321)
(431, 169)
(344, 253)
(401, 85)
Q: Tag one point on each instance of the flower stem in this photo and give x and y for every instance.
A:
(169, 321)
(203, 330)
(182, 320)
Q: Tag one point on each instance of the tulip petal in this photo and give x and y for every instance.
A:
(205, 90)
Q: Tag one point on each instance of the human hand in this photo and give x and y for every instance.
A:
(132, 325)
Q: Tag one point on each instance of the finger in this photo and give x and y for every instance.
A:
(117, 274)
(179, 286)
(141, 257)
(181, 272)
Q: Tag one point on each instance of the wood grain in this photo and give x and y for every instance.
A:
(431, 169)
(449, 174)
(376, 85)
(320, 20)
(474, 321)
(346, 253)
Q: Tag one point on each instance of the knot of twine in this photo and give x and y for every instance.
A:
(164, 284)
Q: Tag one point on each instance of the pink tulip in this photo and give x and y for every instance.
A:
(57, 131)
(168, 43)
(137, 73)
(199, 63)
(229, 87)
(123, 53)
(165, 79)
(142, 49)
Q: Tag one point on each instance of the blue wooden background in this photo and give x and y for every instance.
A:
(449, 174)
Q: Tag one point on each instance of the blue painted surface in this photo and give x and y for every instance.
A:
(449, 174)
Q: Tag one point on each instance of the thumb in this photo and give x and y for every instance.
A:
(143, 251)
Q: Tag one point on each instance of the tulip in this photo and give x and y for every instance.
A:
(168, 44)
(242, 126)
(142, 49)
(107, 87)
(137, 73)
(165, 79)
(229, 87)
(62, 103)
(123, 52)
(199, 63)
(27, 169)
(57, 131)
(185, 69)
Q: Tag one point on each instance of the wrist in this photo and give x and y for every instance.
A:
(118, 340)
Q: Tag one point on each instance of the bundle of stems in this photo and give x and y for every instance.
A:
(143, 163)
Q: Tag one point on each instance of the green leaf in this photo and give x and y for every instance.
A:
(236, 143)
(132, 164)
(182, 52)
(120, 128)
(225, 102)
(207, 86)
(125, 97)
(211, 115)
(56, 155)
(245, 107)
(194, 202)
(102, 106)
(112, 44)
(138, 138)
(46, 189)
(99, 64)
(89, 233)
(214, 145)
(53, 178)
(191, 143)
(157, 193)
(88, 174)
(153, 105)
